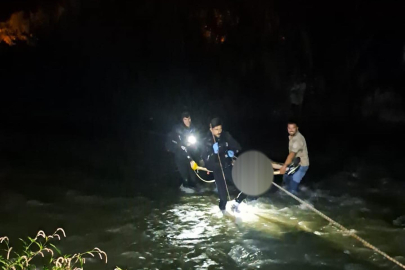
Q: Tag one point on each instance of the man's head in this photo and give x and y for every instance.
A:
(216, 127)
(185, 116)
(292, 128)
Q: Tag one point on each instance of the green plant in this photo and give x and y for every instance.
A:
(41, 246)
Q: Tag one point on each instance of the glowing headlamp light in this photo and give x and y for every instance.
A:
(191, 139)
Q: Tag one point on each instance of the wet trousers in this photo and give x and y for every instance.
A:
(219, 181)
(292, 181)
(188, 176)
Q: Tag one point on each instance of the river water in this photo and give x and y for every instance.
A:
(186, 231)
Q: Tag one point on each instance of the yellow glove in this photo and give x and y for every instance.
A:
(193, 165)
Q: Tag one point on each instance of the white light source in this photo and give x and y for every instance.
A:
(191, 139)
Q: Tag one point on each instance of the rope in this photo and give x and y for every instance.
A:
(222, 169)
(206, 181)
(364, 242)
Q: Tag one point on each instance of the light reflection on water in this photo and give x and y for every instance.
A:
(264, 235)
(273, 232)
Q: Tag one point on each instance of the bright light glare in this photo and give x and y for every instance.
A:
(191, 139)
(246, 212)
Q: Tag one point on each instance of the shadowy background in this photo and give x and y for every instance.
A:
(90, 88)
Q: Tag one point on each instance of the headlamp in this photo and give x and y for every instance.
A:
(191, 139)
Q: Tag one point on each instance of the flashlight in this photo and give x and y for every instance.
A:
(191, 139)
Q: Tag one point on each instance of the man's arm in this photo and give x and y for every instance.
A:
(207, 153)
(295, 148)
(171, 142)
(175, 144)
(233, 144)
(287, 162)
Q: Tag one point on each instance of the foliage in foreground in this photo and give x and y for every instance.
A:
(41, 246)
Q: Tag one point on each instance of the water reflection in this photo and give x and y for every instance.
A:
(273, 232)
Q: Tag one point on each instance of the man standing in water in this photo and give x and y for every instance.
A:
(297, 148)
(222, 144)
(182, 142)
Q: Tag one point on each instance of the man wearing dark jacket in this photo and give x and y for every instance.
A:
(182, 141)
(222, 144)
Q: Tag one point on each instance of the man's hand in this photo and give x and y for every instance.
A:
(193, 165)
(288, 161)
(231, 154)
(283, 169)
(215, 148)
